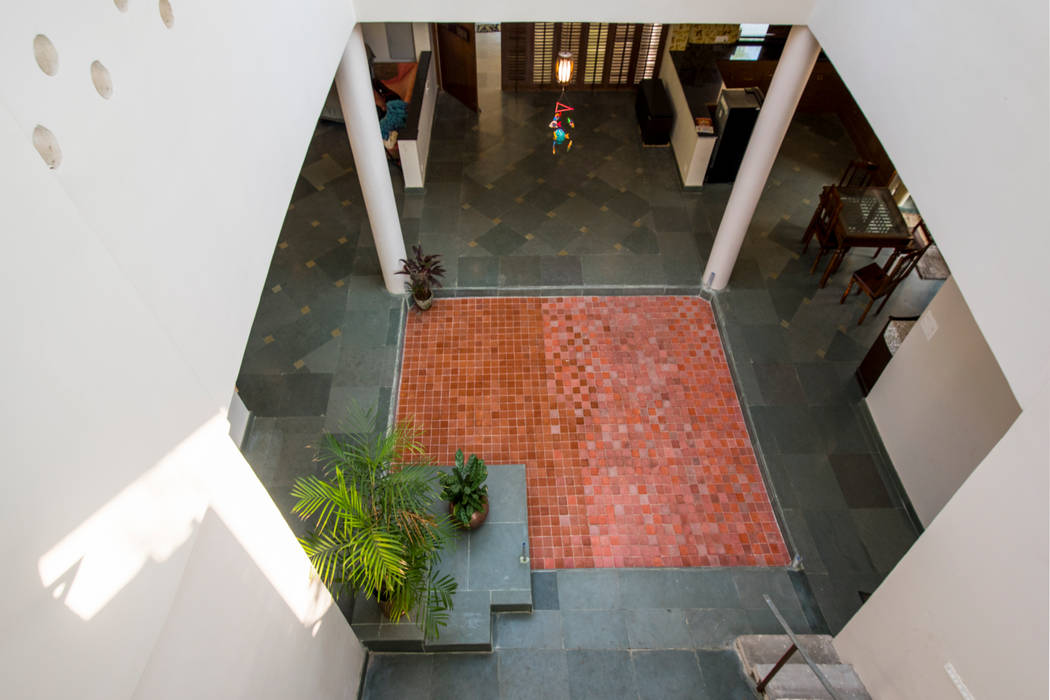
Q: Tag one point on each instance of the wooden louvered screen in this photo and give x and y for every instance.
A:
(650, 46)
(514, 54)
(543, 53)
(594, 56)
(607, 55)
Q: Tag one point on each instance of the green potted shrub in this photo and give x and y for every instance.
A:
(424, 273)
(465, 490)
(375, 530)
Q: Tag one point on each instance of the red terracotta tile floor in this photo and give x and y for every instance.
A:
(622, 410)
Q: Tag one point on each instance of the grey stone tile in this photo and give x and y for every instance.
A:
(519, 271)
(887, 534)
(560, 270)
(397, 676)
(542, 629)
(364, 329)
(500, 240)
(792, 430)
(622, 269)
(764, 343)
(843, 430)
(495, 550)
(805, 546)
(546, 197)
(545, 590)
(365, 366)
(752, 584)
(600, 675)
(716, 628)
(859, 479)
(594, 629)
(506, 496)
(588, 589)
(779, 384)
(464, 676)
(478, 272)
(657, 628)
(812, 481)
(723, 677)
(838, 542)
(526, 674)
(666, 675)
(751, 306)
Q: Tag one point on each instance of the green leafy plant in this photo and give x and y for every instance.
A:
(464, 487)
(375, 529)
(424, 272)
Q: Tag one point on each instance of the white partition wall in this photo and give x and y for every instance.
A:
(141, 556)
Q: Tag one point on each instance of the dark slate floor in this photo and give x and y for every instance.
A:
(607, 633)
(327, 332)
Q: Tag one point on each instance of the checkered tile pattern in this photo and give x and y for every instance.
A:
(622, 410)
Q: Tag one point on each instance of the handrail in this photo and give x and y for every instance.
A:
(795, 646)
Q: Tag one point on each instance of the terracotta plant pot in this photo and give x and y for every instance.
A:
(384, 606)
(423, 304)
(476, 519)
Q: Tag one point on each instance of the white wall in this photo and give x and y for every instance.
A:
(941, 404)
(972, 591)
(911, 66)
(141, 556)
(691, 152)
(415, 153)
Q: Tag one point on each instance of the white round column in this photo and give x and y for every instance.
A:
(353, 82)
(789, 80)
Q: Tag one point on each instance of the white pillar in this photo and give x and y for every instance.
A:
(789, 80)
(353, 82)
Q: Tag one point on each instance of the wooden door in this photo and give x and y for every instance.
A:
(457, 62)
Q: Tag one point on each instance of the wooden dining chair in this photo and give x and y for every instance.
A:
(858, 173)
(823, 226)
(879, 282)
(920, 233)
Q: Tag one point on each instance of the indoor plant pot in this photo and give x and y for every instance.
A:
(424, 272)
(374, 526)
(465, 490)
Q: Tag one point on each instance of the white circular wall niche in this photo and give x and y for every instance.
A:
(101, 79)
(166, 14)
(122, 5)
(46, 54)
(46, 145)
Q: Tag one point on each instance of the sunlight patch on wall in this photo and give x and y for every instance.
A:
(157, 514)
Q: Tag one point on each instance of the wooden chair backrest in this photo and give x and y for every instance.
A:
(902, 267)
(920, 236)
(858, 173)
(830, 208)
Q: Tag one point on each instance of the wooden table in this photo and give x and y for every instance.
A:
(869, 219)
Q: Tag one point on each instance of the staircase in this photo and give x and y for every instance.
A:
(759, 653)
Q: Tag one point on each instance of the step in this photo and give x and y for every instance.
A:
(798, 682)
(486, 564)
(756, 649)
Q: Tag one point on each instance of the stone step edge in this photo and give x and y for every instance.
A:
(749, 649)
(795, 682)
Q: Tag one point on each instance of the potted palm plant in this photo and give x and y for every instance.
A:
(465, 490)
(374, 525)
(424, 273)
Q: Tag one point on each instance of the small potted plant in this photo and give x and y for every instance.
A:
(465, 490)
(424, 272)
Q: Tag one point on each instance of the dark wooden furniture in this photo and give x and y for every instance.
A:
(869, 219)
(858, 173)
(879, 282)
(822, 225)
(655, 114)
(882, 350)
